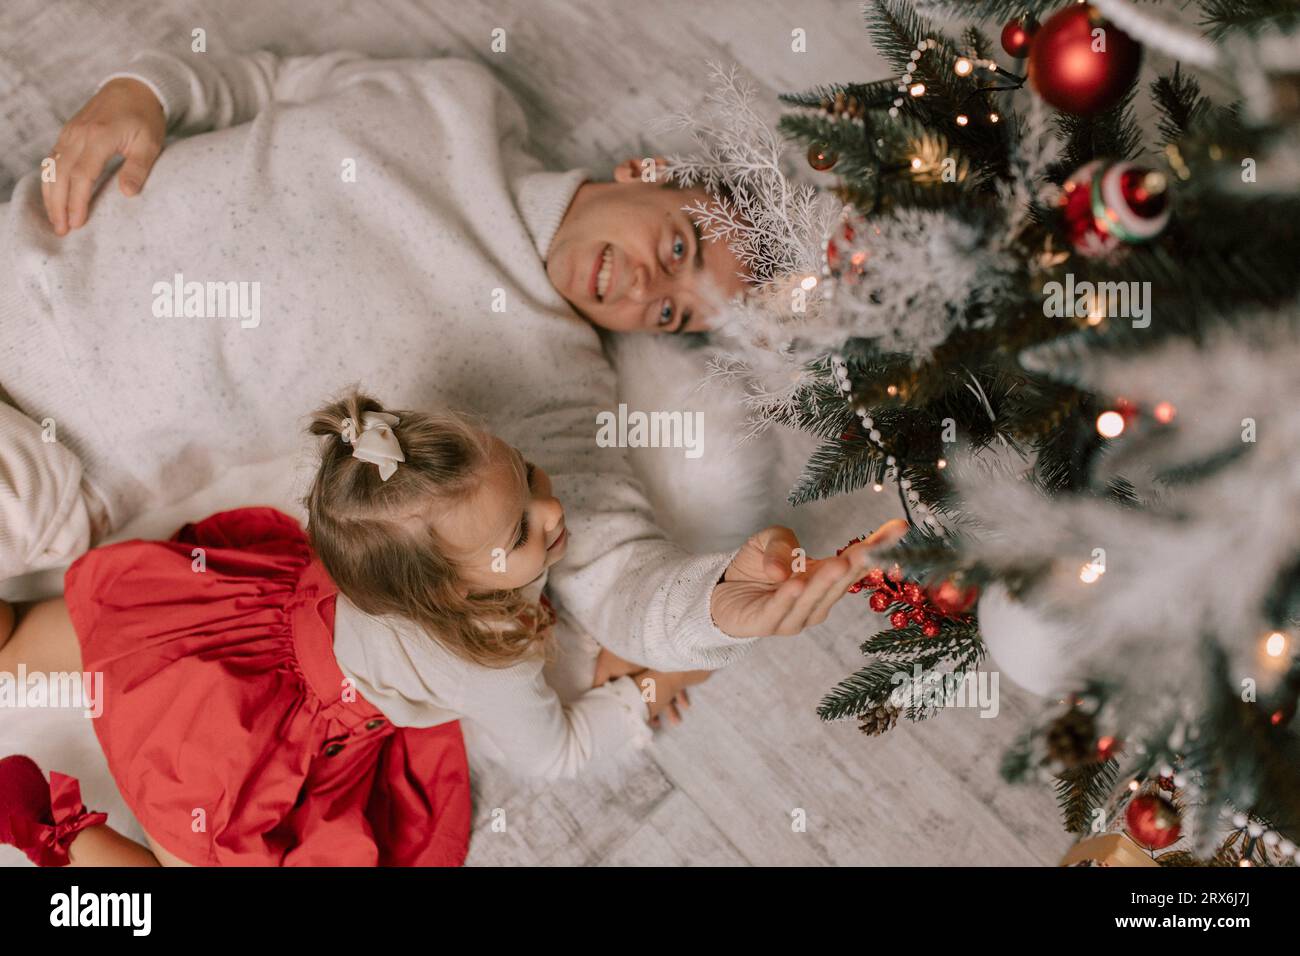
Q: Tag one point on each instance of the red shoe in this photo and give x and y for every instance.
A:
(41, 819)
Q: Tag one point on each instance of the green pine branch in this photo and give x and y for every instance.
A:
(958, 649)
(1082, 790)
(998, 11)
(1250, 17)
(1112, 134)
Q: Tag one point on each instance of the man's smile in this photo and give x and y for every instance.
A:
(605, 273)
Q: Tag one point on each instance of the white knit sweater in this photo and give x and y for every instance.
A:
(389, 281)
(541, 718)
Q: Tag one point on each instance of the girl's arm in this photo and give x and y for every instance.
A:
(417, 682)
(535, 734)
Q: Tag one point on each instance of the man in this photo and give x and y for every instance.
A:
(346, 220)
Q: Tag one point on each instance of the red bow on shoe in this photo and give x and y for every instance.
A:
(46, 844)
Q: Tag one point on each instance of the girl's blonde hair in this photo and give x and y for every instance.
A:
(377, 538)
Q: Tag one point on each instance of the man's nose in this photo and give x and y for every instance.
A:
(648, 283)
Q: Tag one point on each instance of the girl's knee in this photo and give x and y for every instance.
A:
(44, 640)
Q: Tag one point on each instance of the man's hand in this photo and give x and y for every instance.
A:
(762, 592)
(123, 119)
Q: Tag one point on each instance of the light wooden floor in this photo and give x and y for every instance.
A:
(723, 788)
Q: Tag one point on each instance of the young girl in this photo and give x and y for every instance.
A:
(287, 699)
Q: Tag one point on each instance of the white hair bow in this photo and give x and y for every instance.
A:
(376, 443)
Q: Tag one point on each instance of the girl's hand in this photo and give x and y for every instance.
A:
(123, 119)
(610, 666)
(765, 591)
(665, 693)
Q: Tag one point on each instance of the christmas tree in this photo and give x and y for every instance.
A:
(1069, 342)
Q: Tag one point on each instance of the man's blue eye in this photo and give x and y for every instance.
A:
(679, 248)
(666, 314)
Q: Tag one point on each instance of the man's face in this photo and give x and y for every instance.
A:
(628, 258)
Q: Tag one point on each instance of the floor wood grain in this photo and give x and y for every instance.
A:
(729, 786)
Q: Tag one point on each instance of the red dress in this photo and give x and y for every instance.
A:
(227, 723)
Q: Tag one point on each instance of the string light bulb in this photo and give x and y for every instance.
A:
(1110, 424)
(963, 67)
(1164, 412)
(942, 463)
(1089, 573)
(1275, 644)
(877, 487)
(917, 89)
(994, 117)
(809, 283)
(962, 119)
(916, 162)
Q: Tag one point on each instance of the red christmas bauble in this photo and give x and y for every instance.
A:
(1104, 204)
(1016, 36)
(846, 254)
(1081, 64)
(952, 600)
(1152, 821)
(822, 157)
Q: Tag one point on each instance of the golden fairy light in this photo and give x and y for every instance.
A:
(931, 160)
(1110, 424)
(963, 67)
(809, 283)
(962, 119)
(994, 117)
(1090, 573)
(1164, 412)
(1275, 644)
(918, 89)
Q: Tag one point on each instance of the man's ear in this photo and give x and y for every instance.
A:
(637, 169)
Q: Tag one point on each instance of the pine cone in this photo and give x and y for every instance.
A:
(1072, 739)
(879, 719)
(843, 104)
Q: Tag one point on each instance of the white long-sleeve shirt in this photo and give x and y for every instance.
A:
(541, 718)
(385, 210)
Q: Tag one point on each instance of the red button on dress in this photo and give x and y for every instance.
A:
(224, 707)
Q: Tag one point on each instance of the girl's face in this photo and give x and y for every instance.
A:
(510, 529)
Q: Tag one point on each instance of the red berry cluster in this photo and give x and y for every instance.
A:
(926, 609)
